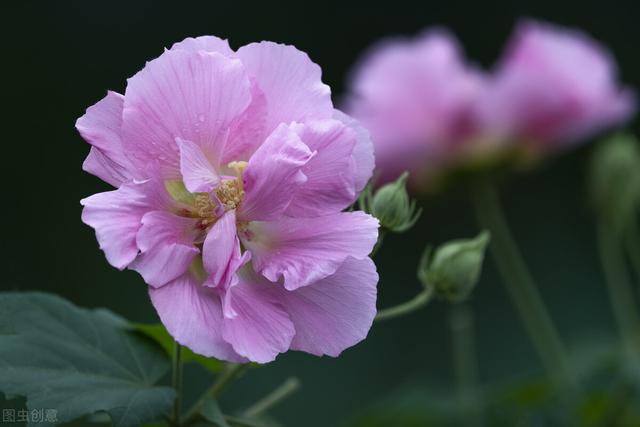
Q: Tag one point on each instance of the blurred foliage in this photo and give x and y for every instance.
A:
(610, 398)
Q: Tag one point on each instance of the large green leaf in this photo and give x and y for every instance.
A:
(158, 333)
(79, 361)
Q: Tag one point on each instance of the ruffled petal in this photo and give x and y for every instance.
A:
(302, 251)
(291, 82)
(98, 164)
(116, 216)
(261, 328)
(250, 130)
(194, 96)
(193, 316)
(198, 175)
(101, 127)
(204, 43)
(330, 185)
(221, 252)
(166, 247)
(335, 312)
(273, 175)
(363, 157)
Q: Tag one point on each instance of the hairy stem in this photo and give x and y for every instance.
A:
(410, 306)
(620, 290)
(521, 286)
(632, 244)
(465, 364)
(228, 375)
(273, 398)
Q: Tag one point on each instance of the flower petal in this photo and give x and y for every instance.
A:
(302, 251)
(98, 164)
(261, 329)
(198, 175)
(204, 43)
(221, 252)
(101, 127)
(330, 185)
(290, 81)
(362, 154)
(335, 312)
(166, 247)
(249, 131)
(193, 316)
(273, 175)
(116, 216)
(190, 95)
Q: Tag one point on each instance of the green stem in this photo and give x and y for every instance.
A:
(632, 243)
(412, 305)
(229, 374)
(620, 290)
(239, 422)
(521, 286)
(177, 383)
(465, 364)
(273, 398)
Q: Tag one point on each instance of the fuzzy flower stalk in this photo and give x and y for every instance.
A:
(232, 170)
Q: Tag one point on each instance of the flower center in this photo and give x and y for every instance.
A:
(208, 207)
(230, 192)
(205, 209)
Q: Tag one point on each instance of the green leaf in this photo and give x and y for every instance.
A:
(158, 333)
(211, 412)
(77, 361)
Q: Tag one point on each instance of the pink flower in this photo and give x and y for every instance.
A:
(415, 96)
(553, 87)
(232, 170)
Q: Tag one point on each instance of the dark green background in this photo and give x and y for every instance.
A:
(62, 56)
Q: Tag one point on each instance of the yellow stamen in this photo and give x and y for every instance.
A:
(239, 167)
(204, 206)
(230, 193)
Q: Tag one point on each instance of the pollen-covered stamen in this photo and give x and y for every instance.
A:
(205, 209)
(230, 192)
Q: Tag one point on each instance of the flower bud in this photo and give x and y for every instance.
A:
(454, 268)
(392, 206)
(615, 179)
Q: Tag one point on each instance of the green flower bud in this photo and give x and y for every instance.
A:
(392, 206)
(615, 179)
(454, 268)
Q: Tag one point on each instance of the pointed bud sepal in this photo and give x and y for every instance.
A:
(453, 269)
(392, 206)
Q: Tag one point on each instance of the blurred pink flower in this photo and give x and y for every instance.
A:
(416, 97)
(232, 170)
(553, 87)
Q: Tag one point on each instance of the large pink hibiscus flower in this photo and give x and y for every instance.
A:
(232, 171)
